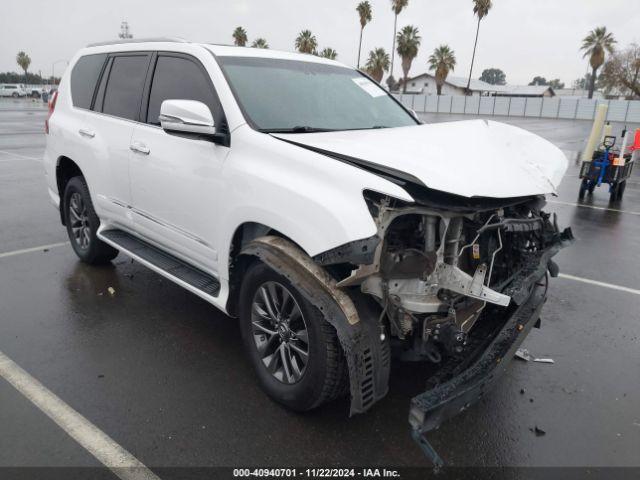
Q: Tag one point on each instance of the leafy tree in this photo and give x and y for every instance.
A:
(306, 42)
(239, 37)
(23, 61)
(377, 64)
(329, 53)
(494, 76)
(622, 71)
(556, 84)
(443, 61)
(408, 44)
(594, 46)
(538, 81)
(396, 6)
(365, 13)
(480, 9)
(260, 43)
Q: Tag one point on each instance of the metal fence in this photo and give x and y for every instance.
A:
(545, 107)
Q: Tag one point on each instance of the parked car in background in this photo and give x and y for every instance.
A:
(295, 193)
(12, 90)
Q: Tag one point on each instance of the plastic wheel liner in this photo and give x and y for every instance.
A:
(365, 349)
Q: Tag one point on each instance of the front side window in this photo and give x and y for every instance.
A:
(124, 88)
(84, 77)
(291, 95)
(178, 78)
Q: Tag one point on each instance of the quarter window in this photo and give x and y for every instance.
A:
(124, 88)
(84, 77)
(178, 78)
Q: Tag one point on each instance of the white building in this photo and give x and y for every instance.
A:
(425, 84)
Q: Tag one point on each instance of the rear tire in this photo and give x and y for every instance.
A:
(83, 223)
(324, 376)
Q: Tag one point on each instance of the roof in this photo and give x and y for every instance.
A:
(480, 86)
(216, 49)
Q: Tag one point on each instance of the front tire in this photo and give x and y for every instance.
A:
(294, 351)
(83, 223)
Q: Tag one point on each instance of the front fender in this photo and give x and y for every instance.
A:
(358, 330)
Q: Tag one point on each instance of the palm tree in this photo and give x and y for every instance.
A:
(481, 9)
(408, 44)
(260, 43)
(24, 61)
(377, 64)
(329, 53)
(239, 37)
(594, 45)
(364, 11)
(306, 42)
(443, 61)
(397, 6)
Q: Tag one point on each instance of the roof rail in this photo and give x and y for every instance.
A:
(138, 40)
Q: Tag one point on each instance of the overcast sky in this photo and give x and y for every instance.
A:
(523, 38)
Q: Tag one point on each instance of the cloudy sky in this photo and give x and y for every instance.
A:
(523, 38)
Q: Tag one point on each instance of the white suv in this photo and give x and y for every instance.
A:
(12, 90)
(295, 193)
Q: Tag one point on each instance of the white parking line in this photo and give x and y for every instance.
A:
(599, 284)
(24, 157)
(593, 207)
(94, 440)
(33, 249)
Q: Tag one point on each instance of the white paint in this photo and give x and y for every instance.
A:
(33, 249)
(495, 159)
(95, 441)
(24, 157)
(593, 207)
(600, 284)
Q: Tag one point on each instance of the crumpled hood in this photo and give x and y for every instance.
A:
(471, 158)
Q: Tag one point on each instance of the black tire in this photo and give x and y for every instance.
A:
(325, 376)
(15, 95)
(613, 196)
(583, 188)
(89, 248)
(621, 188)
(592, 186)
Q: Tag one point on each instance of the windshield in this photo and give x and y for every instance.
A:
(296, 96)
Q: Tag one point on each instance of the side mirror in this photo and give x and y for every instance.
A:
(187, 117)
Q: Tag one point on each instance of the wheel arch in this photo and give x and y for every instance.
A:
(66, 169)
(239, 262)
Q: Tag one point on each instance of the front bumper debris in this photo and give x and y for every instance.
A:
(431, 408)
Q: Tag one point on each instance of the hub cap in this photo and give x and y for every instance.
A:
(79, 219)
(280, 332)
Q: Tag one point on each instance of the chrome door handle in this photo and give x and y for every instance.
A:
(86, 133)
(140, 148)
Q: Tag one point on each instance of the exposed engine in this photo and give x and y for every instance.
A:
(435, 272)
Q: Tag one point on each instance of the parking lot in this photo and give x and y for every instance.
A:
(163, 373)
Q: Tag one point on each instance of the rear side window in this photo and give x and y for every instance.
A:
(84, 77)
(178, 78)
(124, 88)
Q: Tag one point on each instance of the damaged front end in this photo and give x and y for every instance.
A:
(457, 284)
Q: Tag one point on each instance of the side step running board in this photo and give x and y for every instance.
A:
(163, 262)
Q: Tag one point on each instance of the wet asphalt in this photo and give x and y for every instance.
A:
(163, 373)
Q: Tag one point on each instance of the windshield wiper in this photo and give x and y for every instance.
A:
(297, 129)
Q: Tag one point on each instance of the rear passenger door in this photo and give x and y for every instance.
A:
(175, 181)
(108, 130)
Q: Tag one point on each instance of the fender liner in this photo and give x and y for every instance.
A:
(365, 347)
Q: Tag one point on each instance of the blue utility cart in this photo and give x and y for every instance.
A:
(601, 170)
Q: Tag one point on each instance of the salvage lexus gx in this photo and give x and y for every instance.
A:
(296, 194)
